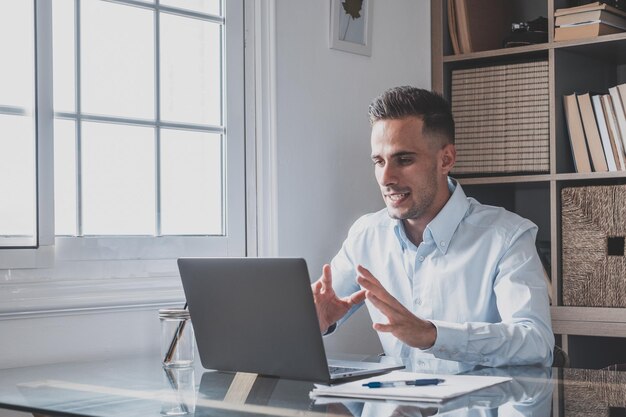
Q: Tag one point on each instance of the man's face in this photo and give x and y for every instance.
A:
(409, 167)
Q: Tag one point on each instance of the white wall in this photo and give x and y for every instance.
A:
(325, 175)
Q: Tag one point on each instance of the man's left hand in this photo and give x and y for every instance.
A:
(403, 324)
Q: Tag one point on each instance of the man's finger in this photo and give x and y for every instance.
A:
(356, 298)
(327, 279)
(383, 307)
(374, 287)
(317, 286)
(387, 328)
(366, 273)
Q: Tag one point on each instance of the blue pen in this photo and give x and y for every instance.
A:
(415, 382)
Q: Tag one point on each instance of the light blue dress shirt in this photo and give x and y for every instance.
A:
(476, 276)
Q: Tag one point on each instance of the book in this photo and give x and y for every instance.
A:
(592, 16)
(609, 151)
(576, 134)
(591, 30)
(614, 135)
(462, 28)
(620, 116)
(594, 143)
(481, 25)
(596, 5)
(452, 28)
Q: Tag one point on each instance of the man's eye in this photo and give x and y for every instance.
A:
(405, 161)
(378, 162)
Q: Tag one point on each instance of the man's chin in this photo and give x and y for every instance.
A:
(396, 214)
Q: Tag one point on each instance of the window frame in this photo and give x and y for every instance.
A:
(146, 249)
(42, 254)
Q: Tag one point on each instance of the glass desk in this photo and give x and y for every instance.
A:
(139, 386)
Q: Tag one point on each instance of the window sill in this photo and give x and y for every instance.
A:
(55, 297)
(41, 257)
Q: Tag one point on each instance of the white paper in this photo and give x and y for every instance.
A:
(453, 386)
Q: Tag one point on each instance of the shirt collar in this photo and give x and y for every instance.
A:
(442, 227)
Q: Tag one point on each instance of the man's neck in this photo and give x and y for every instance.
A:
(414, 228)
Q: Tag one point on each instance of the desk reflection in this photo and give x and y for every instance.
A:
(528, 394)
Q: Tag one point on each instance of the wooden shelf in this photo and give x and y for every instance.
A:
(575, 66)
(608, 45)
(590, 176)
(518, 50)
(589, 321)
(504, 179)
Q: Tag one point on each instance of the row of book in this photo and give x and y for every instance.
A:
(597, 130)
(502, 118)
(587, 21)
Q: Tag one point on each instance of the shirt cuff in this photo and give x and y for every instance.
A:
(330, 329)
(452, 339)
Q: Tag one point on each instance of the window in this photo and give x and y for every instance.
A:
(148, 127)
(18, 168)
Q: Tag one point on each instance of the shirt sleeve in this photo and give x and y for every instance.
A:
(524, 334)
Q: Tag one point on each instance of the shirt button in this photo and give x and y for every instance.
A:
(421, 259)
(419, 301)
(442, 243)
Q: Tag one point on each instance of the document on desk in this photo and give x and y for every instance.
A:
(451, 386)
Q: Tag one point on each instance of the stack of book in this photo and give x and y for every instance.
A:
(502, 118)
(597, 130)
(588, 21)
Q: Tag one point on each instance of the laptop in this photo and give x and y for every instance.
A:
(257, 315)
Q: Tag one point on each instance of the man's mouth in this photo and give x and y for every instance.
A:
(397, 197)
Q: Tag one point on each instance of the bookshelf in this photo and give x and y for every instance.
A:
(575, 66)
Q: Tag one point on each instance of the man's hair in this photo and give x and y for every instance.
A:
(406, 101)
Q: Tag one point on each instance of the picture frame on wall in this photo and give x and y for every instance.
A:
(351, 26)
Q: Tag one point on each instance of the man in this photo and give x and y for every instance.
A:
(441, 274)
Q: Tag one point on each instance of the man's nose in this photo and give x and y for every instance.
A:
(387, 175)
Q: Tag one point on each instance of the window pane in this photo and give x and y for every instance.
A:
(117, 59)
(65, 177)
(17, 52)
(17, 176)
(64, 57)
(191, 183)
(202, 6)
(190, 70)
(118, 179)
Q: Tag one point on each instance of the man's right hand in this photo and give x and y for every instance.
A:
(331, 308)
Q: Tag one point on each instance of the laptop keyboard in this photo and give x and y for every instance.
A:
(334, 370)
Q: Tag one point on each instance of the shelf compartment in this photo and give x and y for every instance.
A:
(578, 73)
(517, 11)
(597, 352)
(611, 48)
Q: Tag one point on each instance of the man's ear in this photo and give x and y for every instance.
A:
(448, 158)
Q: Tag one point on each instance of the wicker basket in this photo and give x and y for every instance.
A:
(593, 231)
(593, 392)
(502, 116)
